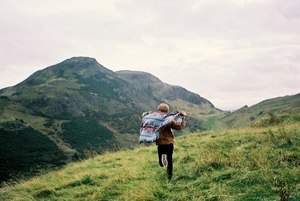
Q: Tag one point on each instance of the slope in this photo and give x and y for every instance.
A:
(241, 164)
(283, 109)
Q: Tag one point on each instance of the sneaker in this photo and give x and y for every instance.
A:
(164, 160)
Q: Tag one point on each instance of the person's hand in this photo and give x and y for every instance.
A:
(171, 122)
(183, 113)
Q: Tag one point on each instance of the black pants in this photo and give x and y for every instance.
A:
(168, 150)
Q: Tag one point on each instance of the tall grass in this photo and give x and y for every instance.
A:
(238, 164)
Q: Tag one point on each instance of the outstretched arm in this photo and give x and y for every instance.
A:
(178, 126)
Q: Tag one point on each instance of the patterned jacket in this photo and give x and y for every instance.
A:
(157, 127)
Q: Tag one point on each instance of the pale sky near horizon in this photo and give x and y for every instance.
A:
(231, 52)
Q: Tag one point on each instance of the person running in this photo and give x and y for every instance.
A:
(165, 142)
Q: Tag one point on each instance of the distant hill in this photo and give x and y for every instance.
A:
(78, 108)
(268, 112)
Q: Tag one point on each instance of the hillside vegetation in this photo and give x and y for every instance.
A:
(238, 164)
(283, 109)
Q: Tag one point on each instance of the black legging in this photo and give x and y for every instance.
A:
(168, 150)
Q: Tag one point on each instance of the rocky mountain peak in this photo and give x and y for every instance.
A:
(80, 61)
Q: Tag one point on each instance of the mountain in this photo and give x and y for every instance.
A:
(77, 108)
(197, 107)
(268, 112)
(159, 89)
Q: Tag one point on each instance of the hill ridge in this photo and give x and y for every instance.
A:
(284, 108)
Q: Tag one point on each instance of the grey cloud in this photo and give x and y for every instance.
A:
(231, 52)
(247, 77)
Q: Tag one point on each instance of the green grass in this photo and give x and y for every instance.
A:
(237, 164)
(81, 133)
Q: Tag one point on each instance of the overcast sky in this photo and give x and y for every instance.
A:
(232, 52)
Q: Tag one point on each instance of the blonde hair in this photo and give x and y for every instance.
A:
(163, 107)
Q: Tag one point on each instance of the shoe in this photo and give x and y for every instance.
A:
(164, 160)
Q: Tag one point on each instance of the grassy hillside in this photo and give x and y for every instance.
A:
(284, 109)
(238, 164)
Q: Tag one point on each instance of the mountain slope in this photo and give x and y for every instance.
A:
(241, 164)
(282, 109)
(161, 90)
(80, 108)
(197, 107)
